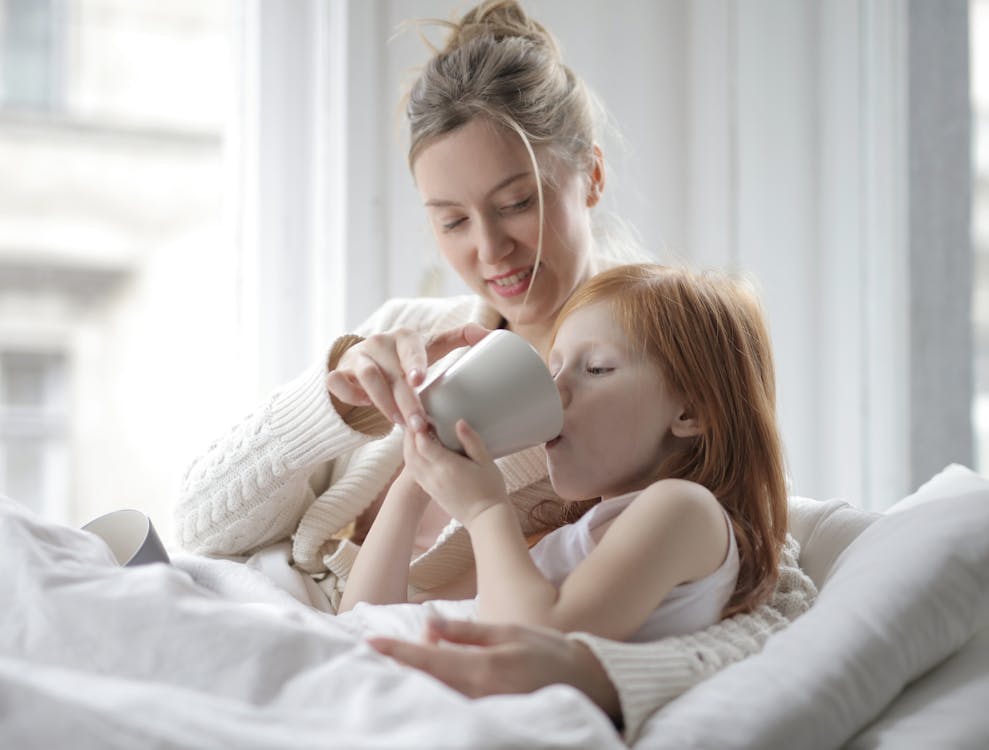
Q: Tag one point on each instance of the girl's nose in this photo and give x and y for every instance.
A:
(562, 387)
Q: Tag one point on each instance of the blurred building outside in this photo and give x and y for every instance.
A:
(116, 277)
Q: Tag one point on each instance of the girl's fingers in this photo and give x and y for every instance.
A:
(472, 442)
(428, 447)
(409, 452)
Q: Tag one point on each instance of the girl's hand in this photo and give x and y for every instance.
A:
(407, 491)
(464, 486)
(385, 368)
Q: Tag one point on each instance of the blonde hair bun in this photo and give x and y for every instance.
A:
(500, 19)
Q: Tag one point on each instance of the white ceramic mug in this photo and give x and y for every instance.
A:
(131, 537)
(501, 387)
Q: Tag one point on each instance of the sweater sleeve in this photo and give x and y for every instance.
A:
(649, 675)
(251, 487)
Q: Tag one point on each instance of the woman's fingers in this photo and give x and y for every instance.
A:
(346, 389)
(378, 385)
(486, 659)
(468, 633)
(468, 672)
(412, 356)
(376, 368)
(385, 369)
(444, 343)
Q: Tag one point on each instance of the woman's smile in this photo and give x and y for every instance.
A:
(513, 283)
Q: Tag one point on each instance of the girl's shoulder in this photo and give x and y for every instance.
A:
(685, 494)
(687, 515)
(691, 507)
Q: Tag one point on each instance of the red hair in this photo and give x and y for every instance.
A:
(708, 335)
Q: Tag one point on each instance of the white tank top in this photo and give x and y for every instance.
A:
(687, 608)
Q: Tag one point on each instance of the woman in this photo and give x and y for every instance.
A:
(503, 153)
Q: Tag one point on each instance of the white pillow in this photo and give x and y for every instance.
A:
(824, 528)
(954, 479)
(908, 592)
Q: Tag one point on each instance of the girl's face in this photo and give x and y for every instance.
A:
(619, 417)
(479, 189)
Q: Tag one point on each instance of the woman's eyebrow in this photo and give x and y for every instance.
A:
(440, 203)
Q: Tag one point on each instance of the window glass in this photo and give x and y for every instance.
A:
(979, 46)
(30, 69)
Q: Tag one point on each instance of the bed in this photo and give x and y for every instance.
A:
(209, 653)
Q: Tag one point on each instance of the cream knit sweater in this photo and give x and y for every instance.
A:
(294, 469)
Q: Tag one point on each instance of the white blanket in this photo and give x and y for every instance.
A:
(211, 654)
(97, 656)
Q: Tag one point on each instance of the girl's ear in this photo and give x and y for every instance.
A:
(596, 178)
(686, 424)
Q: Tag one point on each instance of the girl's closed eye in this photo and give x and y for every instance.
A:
(450, 224)
(599, 369)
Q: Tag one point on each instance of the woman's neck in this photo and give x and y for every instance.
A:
(537, 335)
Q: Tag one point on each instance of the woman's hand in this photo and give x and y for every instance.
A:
(384, 370)
(501, 659)
(464, 486)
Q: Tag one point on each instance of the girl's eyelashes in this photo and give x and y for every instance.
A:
(449, 226)
(599, 370)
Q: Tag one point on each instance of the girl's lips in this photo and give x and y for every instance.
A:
(511, 284)
(554, 442)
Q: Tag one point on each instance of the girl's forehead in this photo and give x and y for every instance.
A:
(592, 322)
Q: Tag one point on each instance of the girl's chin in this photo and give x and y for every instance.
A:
(564, 490)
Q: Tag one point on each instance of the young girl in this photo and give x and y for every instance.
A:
(667, 383)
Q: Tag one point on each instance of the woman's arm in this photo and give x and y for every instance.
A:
(252, 486)
(647, 676)
(629, 681)
(381, 571)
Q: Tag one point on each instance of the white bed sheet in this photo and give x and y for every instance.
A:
(97, 656)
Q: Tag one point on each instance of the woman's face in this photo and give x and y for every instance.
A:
(619, 416)
(479, 189)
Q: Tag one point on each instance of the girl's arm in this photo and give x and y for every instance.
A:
(464, 586)
(380, 574)
(673, 532)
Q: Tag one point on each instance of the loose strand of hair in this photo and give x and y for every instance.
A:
(541, 207)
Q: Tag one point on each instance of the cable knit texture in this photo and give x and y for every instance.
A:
(650, 675)
(294, 469)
